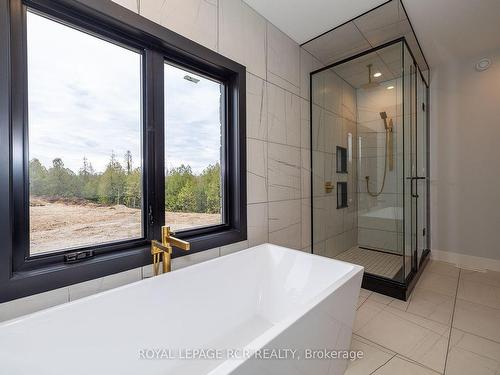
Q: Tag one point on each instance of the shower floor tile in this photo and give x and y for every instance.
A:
(374, 262)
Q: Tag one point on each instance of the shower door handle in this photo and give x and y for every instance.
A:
(412, 191)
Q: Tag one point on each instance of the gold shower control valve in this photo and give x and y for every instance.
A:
(162, 251)
(328, 186)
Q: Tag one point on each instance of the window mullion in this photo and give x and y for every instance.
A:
(154, 143)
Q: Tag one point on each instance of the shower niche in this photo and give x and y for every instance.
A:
(369, 137)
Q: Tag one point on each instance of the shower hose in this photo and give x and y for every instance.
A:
(367, 178)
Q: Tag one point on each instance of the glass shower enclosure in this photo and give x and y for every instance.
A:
(369, 160)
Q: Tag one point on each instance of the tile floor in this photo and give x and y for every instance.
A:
(450, 325)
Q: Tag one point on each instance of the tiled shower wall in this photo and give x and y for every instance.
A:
(334, 117)
(278, 128)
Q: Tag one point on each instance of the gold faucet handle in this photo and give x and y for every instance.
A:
(157, 247)
(173, 241)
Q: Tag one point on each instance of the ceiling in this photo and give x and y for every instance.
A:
(382, 25)
(454, 29)
(303, 20)
(446, 29)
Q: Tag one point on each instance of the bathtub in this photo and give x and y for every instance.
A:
(244, 313)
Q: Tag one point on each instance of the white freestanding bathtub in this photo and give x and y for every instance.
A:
(241, 314)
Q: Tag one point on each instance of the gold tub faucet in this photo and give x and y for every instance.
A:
(162, 251)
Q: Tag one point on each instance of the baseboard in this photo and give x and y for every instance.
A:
(467, 261)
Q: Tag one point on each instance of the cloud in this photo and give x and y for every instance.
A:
(84, 100)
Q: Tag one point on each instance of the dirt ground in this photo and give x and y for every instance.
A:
(59, 225)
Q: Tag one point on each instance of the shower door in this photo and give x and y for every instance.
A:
(421, 167)
(410, 169)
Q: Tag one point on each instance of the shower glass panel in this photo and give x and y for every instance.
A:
(369, 105)
(409, 162)
(422, 176)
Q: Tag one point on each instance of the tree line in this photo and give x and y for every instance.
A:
(120, 183)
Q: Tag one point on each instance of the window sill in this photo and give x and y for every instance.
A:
(43, 279)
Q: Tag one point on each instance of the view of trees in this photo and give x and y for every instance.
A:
(121, 184)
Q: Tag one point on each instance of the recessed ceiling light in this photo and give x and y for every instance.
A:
(378, 74)
(390, 87)
(483, 64)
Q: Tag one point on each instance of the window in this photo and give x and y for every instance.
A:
(111, 127)
(193, 149)
(84, 123)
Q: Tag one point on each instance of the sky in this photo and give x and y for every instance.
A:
(84, 101)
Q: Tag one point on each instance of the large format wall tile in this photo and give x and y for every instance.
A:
(242, 35)
(283, 116)
(256, 108)
(194, 19)
(306, 222)
(37, 302)
(305, 173)
(104, 283)
(233, 248)
(308, 63)
(305, 124)
(285, 223)
(256, 171)
(283, 60)
(132, 5)
(194, 258)
(284, 166)
(258, 225)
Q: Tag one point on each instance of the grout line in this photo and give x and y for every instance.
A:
(452, 318)
(397, 355)
(383, 364)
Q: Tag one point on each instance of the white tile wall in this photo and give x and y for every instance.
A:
(284, 172)
(333, 117)
(104, 283)
(285, 223)
(256, 108)
(242, 35)
(283, 116)
(283, 60)
(257, 224)
(277, 157)
(194, 19)
(256, 171)
(132, 5)
(37, 302)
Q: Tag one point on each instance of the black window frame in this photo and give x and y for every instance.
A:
(21, 274)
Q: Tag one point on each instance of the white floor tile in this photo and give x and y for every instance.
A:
(400, 366)
(469, 354)
(438, 282)
(432, 305)
(412, 336)
(480, 292)
(477, 319)
(374, 356)
(443, 268)
(488, 277)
